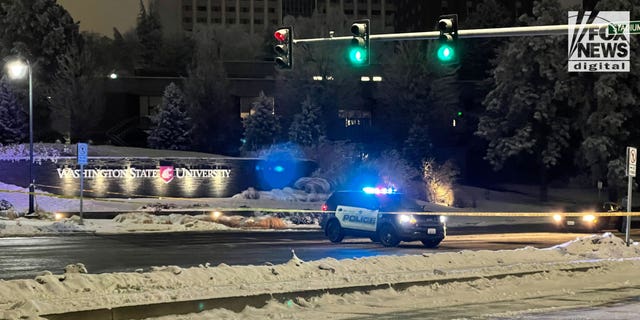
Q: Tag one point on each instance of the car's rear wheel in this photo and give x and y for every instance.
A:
(431, 243)
(388, 236)
(334, 232)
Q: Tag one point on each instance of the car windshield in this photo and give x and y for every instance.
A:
(397, 202)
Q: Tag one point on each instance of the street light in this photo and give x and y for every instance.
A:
(18, 69)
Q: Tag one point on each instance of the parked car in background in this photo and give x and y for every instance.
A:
(586, 218)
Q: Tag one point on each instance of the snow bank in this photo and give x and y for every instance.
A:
(285, 194)
(51, 293)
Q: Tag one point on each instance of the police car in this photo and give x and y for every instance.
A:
(377, 213)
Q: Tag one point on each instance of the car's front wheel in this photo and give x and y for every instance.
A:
(334, 232)
(388, 236)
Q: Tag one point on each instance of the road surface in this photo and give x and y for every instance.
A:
(26, 257)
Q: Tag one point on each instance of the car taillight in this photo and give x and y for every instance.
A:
(324, 207)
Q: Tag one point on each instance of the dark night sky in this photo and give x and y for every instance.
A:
(101, 16)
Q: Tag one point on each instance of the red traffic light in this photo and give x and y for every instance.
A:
(281, 35)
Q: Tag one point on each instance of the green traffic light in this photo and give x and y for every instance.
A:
(459, 113)
(446, 53)
(357, 55)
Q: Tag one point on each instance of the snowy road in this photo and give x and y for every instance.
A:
(27, 257)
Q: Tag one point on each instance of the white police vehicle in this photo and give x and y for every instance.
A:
(377, 213)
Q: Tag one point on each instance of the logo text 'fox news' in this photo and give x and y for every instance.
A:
(606, 49)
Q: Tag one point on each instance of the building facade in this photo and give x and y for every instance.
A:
(256, 16)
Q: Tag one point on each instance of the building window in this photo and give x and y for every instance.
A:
(244, 9)
(348, 12)
(202, 8)
(231, 9)
(202, 20)
(215, 9)
(355, 117)
(217, 20)
(187, 20)
(274, 21)
(272, 10)
(257, 21)
(244, 21)
(231, 21)
(362, 12)
(187, 8)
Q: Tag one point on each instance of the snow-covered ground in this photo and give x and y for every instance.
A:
(267, 207)
(476, 293)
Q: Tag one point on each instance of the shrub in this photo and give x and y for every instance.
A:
(439, 181)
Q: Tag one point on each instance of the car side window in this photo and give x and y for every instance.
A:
(363, 200)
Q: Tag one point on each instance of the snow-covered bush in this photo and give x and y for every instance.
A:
(335, 159)
(439, 181)
(393, 170)
(17, 152)
(313, 185)
(5, 205)
(250, 193)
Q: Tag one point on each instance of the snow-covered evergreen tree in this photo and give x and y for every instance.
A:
(307, 127)
(13, 119)
(262, 126)
(171, 127)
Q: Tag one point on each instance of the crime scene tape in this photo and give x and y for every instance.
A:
(153, 208)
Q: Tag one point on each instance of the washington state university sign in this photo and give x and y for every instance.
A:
(166, 173)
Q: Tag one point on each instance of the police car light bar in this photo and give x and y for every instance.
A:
(371, 190)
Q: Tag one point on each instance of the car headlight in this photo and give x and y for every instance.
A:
(557, 218)
(443, 219)
(589, 218)
(407, 218)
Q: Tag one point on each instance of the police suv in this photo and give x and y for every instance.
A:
(377, 213)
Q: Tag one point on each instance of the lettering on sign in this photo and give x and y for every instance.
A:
(166, 173)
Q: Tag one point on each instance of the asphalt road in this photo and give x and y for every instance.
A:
(27, 257)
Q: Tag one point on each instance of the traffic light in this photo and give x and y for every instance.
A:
(359, 49)
(446, 51)
(284, 47)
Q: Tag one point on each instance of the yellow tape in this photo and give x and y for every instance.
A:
(276, 210)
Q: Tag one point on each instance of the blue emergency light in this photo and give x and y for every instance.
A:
(372, 190)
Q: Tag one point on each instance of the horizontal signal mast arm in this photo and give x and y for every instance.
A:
(552, 30)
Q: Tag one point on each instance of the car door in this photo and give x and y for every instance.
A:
(357, 218)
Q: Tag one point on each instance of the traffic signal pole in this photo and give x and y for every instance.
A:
(551, 30)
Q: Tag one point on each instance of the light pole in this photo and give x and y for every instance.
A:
(18, 69)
